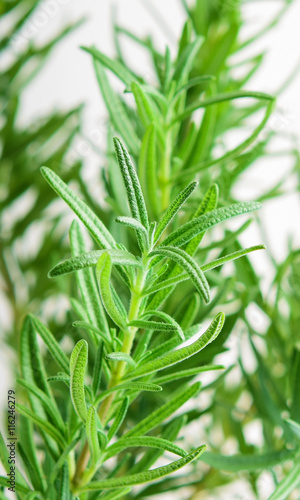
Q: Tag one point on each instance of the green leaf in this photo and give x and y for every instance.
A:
(63, 457)
(148, 169)
(117, 112)
(118, 419)
(186, 61)
(208, 220)
(120, 356)
(191, 372)
(147, 110)
(181, 354)
(166, 284)
(236, 463)
(45, 426)
(78, 363)
(87, 284)
(187, 263)
(91, 432)
(129, 386)
(103, 272)
(115, 66)
(153, 325)
(94, 329)
(174, 209)
(51, 344)
(90, 259)
(167, 318)
(97, 229)
(28, 453)
(158, 416)
(114, 495)
(137, 226)
(48, 404)
(144, 441)
(64, 484)
(97, 368)
(228, 258)
(132, 184)
(60, 378)
(294, 426)
(144, 477)
(288, 484)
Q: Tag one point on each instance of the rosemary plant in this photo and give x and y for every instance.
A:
(147, 296)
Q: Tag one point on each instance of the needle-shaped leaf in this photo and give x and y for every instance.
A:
(147, 109)
(98, 368)
(158, 416)
(186, 60)
(288, 484)
(129, 386)
(165, 379)
(137, 226)
(115, 66)
(147, 169)
(236, 463)
(174, 209)
(94, 329)
(103, 271)
(186, 262)
(120, 356)
(181, 354)
(43, 425)
(196, 226)
(294, 426)
(117, 112)
(144, 441)
(90, 259)
(48, 404)
(167, 318)
(51, 344)
(132, 183)
(153, 325)
(143, 477)
(91, 432)
(78, 363)
(118, 419)
(228, 258)
(93, 224)
(115, 494)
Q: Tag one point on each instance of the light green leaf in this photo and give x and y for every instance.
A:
(91, 432)
(174, 209)
(48, 403)
(44, 426)
(128, 386)
(90, 259)
(158, 416)
(63, 457)
(181, 354)
(97, 229)
(117, 112)
(147, 169)
(167, 318)
(137, 226)
(153, 325)
(132, 184)
(97, 368)
(288, 484)
(118, 419)
(208, 220)
(147, 109)
(144, 477)
(103, 272)
(114, 495)
(78, 363)
(51, 344)
(294, 426)
(230, 257)
(166, 284)
(120, 356)
(64, 483)
(186, 262)
(191, 372)
(236, 463)
(60, 378)
(186, 60)
(144, 441)
(87, 326)
(115, 66)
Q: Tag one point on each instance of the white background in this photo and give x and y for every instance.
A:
(68, 79)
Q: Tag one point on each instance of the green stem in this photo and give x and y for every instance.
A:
(82, 476)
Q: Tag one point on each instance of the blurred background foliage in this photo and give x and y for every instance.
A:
(259, 392)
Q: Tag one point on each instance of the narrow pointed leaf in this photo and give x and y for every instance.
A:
(120, 356)
(98, 368)
(91, 432)
(144, 441)
(148, 169)
(51, 344)
(288, 484)
(144, 477)
(186, 60)
(118, 419)
(181, 354)
(174, 209)
(158, 416)
(229, 258)
(186, 262)
(43, 425)
(134, 224)
(78, 363)
(128, 386)
(93, 224)
(90, 259)
(91, 328)
(187, 373)
(167, 318)
(115, 66)
(103, 271)
(196, 226)
(147, 110)
(153, 325)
